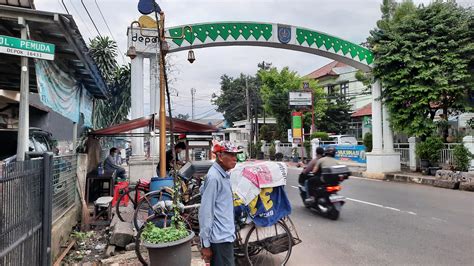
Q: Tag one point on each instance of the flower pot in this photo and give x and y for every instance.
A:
(260, 155)
(172, 253)
(424, 164)
(295, 159)
(272, 157)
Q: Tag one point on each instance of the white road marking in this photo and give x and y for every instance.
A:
(294, 187)
(366, 202)
(393, 209)
(438, 219)
(412, 213)
(363, 178)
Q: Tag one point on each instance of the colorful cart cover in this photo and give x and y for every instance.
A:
(260, 187)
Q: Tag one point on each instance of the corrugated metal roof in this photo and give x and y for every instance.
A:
(71, 51)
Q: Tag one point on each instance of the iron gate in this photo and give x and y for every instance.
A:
(25, 212)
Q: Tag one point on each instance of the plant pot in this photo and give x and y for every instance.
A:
(260, 155)
(432, 170)
(295, 159)
(172, 253)
(272, 157)
(424, 164)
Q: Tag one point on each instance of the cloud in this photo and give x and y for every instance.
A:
(348, 19)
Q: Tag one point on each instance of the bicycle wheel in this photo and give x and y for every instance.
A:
(140, 250)
(148, 210)
(268, 245)
(131, 194)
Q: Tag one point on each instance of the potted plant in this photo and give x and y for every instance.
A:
(429, 153)
(272, 151)
(169, 245)
(307, 147)
(279, 156)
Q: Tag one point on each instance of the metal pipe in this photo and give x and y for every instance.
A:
(162, 103)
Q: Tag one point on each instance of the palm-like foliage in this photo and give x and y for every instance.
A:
(115, 109)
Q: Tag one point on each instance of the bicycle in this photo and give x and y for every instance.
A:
(188, 186)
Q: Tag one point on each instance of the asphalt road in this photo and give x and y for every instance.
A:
(386, 223)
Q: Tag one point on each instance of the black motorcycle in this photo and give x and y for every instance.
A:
(327, 202)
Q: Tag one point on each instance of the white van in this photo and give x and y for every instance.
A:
(343, 139)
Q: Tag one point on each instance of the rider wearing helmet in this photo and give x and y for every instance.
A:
(324, 162)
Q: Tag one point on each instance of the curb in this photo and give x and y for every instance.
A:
(404, 178)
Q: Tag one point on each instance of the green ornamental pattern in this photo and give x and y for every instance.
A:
(224, 30)
(321, 39)
(232, 31)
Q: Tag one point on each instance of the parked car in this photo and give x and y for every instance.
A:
(343, 139)
(40, 141)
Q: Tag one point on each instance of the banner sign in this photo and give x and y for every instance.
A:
(297, 125)
(354, 153)
(300, 99)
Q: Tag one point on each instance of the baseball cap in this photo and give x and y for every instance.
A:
(225, 146)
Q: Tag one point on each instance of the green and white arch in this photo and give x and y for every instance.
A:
(205, 35)
(305, 40)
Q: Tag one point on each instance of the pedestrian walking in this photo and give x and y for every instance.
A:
(216, 213)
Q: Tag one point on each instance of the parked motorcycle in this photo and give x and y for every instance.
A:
(327, 202)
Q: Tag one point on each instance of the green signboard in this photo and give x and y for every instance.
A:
(367, 121)
(28, 48)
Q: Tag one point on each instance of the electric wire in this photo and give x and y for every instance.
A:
(111, 35)
(64, 6)
(81, 19)
(93, 23)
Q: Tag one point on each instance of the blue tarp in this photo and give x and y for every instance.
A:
(62, 93)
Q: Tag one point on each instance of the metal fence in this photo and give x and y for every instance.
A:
(25, 212)
(404, 150)
(447, 153)
(64, 184)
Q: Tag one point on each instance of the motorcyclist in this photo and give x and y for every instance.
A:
(307, 170)
(324, 162)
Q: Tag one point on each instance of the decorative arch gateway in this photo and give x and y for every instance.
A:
(270, 35)
(215, 34)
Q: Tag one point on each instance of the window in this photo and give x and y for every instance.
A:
(344, 88)
(331, 90)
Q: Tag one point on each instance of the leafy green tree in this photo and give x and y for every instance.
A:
(424, 59)
(183, 117)
(232, 99)
(118, 78)
(337, 116)
(275, 88)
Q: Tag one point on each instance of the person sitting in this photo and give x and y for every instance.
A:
(111, 165)
(180, 146)
(324, 162)
(307, 170)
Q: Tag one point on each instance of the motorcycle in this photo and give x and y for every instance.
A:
(327, 202)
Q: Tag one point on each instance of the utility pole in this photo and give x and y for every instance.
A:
(193, 92)
(23, 121)
(249, 120)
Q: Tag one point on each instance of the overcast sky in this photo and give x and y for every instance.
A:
(348, 19)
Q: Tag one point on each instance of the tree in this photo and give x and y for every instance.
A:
(275, 87)
(337, 117)
(183, 117)
(424, 59)
(232, 99)
(118, 79)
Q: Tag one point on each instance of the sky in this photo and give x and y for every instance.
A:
(348, 19)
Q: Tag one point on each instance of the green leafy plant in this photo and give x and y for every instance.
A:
(307, 147)
(462, 158)
(272, 149)
(368, 141)
(320, 136)
(155, 235)
(430, 149)
(82, 236)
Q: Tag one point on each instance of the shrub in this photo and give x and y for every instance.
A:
(368, 141)
(320, 136)
(272, 150)
(430, 149)
(462, 158)
(307, 147)
(155, 235)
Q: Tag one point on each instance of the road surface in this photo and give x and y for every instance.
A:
(386, 223)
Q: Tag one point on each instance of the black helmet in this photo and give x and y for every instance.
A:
(330, 151)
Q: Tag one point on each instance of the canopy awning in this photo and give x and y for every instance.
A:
(179, 126)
